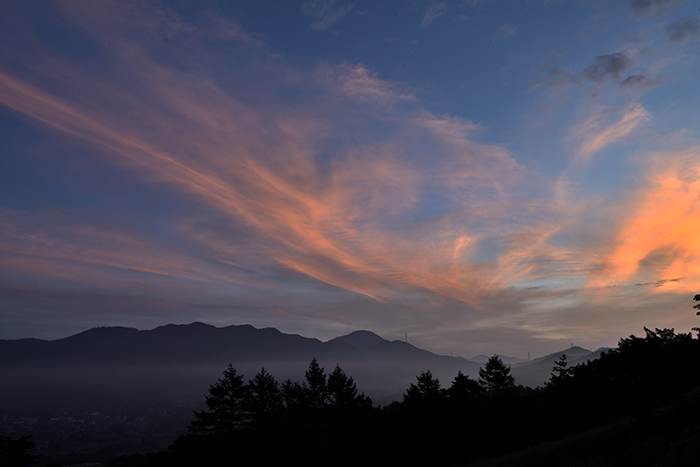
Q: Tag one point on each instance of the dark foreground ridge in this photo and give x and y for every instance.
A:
(632, 406)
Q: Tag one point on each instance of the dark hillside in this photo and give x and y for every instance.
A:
(633, 406)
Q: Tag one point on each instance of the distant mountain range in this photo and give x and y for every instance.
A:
(181, 361)
(536, 372)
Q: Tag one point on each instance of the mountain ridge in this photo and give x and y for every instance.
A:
(181, 360)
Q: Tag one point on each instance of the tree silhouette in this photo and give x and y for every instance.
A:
(342, 391)
(426, 389)
(228, 406)
(315, 387)
(265, 397)
(293, 395)
(495, 376)
(13, 453)
(463, 388)
(697, 307)
(560, 370)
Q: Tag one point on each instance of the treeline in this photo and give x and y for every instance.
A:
(643, 390)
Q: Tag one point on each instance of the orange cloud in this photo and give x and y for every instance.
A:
(256, 166)
(660, 239)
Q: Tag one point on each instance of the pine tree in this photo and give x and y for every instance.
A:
(228, 406)
(560, 369)
(293, 395)
(463, 388)
(495, 376)
(426, 389)
(315, 387)
(265, 396)
(342, 391)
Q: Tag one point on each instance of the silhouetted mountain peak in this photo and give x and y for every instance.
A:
(193, 325)
(571, 353)
(101, 333)
(361, 339)
(576, 350)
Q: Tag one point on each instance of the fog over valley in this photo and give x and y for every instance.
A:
(108, 366)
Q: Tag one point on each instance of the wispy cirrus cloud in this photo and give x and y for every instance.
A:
(357, 82)
(326, 12)
(58, 245)
(503, 32)
(599, 131)
(432, 13)
(327, 224)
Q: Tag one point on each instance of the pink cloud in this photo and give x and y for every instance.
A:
(598, 133)
(659, 239)
(256, 167)
(357, 82)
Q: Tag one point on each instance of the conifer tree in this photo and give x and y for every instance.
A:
(228, 406)
(265, 397)
(316, 387)
(293, 395)
(495, 376)
(427, 388)
(463, 387)
(561, 370)
(342, 391)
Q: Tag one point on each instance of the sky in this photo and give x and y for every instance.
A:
(475, 176)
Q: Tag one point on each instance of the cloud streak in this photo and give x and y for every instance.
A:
(326, 12)
(598, 136)
(504, 32)
(432, 13)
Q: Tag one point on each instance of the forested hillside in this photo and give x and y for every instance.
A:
(634, 405)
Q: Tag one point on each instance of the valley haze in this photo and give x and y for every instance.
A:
(118, 365)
